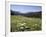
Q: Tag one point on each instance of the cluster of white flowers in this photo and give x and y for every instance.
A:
(21, 27)
(22, 24)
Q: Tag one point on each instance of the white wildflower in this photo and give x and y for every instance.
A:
(35, 24)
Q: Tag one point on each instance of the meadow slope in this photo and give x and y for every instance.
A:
(34, 24)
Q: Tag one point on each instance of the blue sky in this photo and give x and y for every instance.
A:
(25, 8)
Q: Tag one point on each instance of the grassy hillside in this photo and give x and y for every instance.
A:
(21, 23)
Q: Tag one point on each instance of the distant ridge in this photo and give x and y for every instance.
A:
(28, 14)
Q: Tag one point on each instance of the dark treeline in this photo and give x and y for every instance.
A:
(28, 14)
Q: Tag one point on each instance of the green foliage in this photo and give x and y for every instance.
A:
(21, 23)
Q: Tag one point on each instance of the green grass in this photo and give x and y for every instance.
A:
(34, 24)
